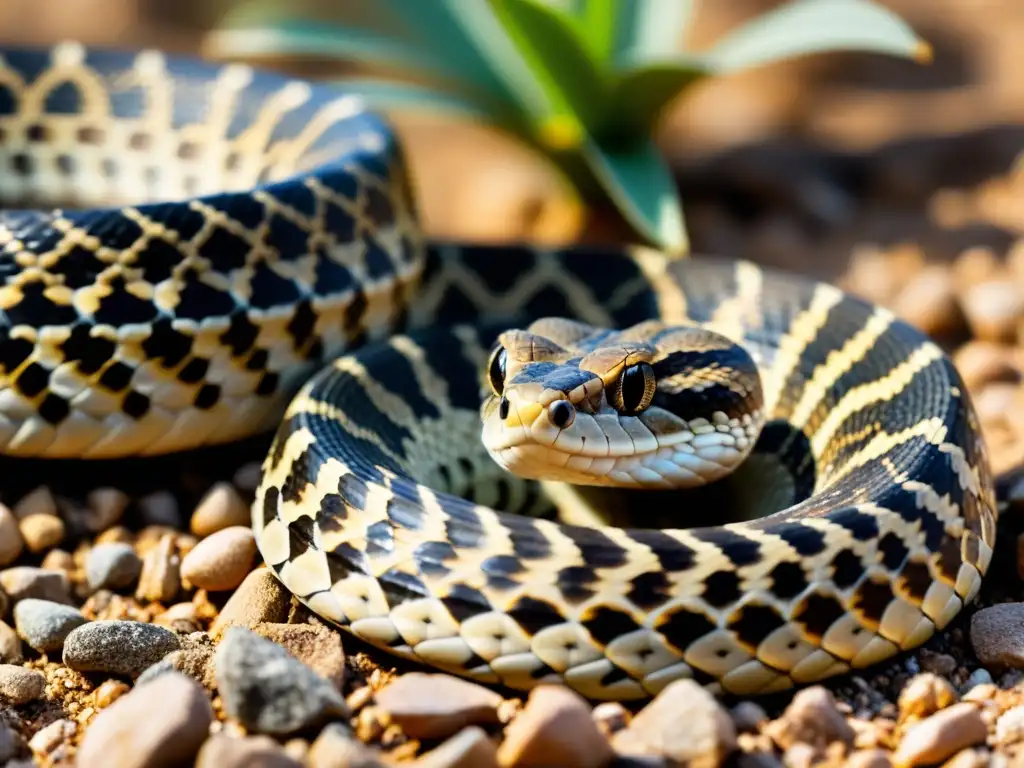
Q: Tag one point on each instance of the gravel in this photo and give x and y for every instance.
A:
(118, 647)
(268, 690)
(45, 625)
(112, 566)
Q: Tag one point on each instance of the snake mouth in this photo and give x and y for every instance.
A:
(610, 450)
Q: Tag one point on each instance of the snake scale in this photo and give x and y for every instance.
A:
(188, 250)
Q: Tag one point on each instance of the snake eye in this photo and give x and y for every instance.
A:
(633, 391)
(496, 370)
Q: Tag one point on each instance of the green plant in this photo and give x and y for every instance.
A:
(582, 81)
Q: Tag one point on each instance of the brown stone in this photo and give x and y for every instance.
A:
(811, 718)
(432, 706)
(259, 599)
(223, 751)
(314, 645)
(941, 736)
(554, 728)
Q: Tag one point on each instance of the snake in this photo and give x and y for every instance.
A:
(196, 252)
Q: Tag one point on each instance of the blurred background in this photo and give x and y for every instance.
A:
(902, 182)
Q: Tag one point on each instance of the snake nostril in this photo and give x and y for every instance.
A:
(561, 413)
(503, 408)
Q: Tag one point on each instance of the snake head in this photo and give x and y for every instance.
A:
(651, 406)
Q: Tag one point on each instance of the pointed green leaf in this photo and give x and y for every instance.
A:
(548, 41)
(641, 94)
(815, 26)
(640, 184)
(646, 30)
(390, 95)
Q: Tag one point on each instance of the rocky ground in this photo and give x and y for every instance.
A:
(140, 629)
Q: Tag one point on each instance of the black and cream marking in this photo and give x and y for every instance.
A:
(212, 235)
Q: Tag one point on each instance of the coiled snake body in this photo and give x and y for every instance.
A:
(225, 235)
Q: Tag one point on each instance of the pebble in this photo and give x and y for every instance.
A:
(469, 748)
(992, 309)
(316, 646)
(111, 566)
(868, 758)
(259, 599)
(41, 532)
(811, 718)
(160, 578)
(107, 506)
(267, 689)
(925, 695)
(1010, 726)
(941, 736)
(929, 302)
(118, 647)
(997, 635)
(338, 747)
(109, 692)
(11, 743)
(983, 362)
(247, 478)
(435, 706)
(610, 716)
(11, 543)
(45, 625)
(939, 663)
(160, 508)
(220, 508)
(19, 685)
(10, 645)
(24, 581)
(978, 677)
(223, 751)
(554, 728)
(748, 716)
(683, 723)
(49, 738)
(163, 723)
(37, 502)
(193, 660)
(221, 561)
(60, 561)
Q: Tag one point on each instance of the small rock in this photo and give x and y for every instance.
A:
(45, 625)
(972, 758)
(941, 736)
(983, 362)
(977, 264)
(19, 685)
(992, 309)
(868, 758)
(223, 751)
(925, 695)
(220, 561)
(469, 748)
(11, 743)
(160, 724)
(220, 508)
(247, 478)
(160, 578)
(161, 509)
(811, 718)
(683, 723)
(11, 543)
(61, 562)
(748, 716)
(24, 581)
(997, 635)
(109, 692)
(41, 532)
(316, 646)
(259, 599)
(267, 689)
(435, 706)
(192, 660)
(337, 747)
(610, 716)
(1010, 726)
(107, 506)
(49, 738)
(978, 677)
(10, 645)
(37, 502)
(554, 728)
(929, 302)
(118, 647)
(939, 663)
(111, 566)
